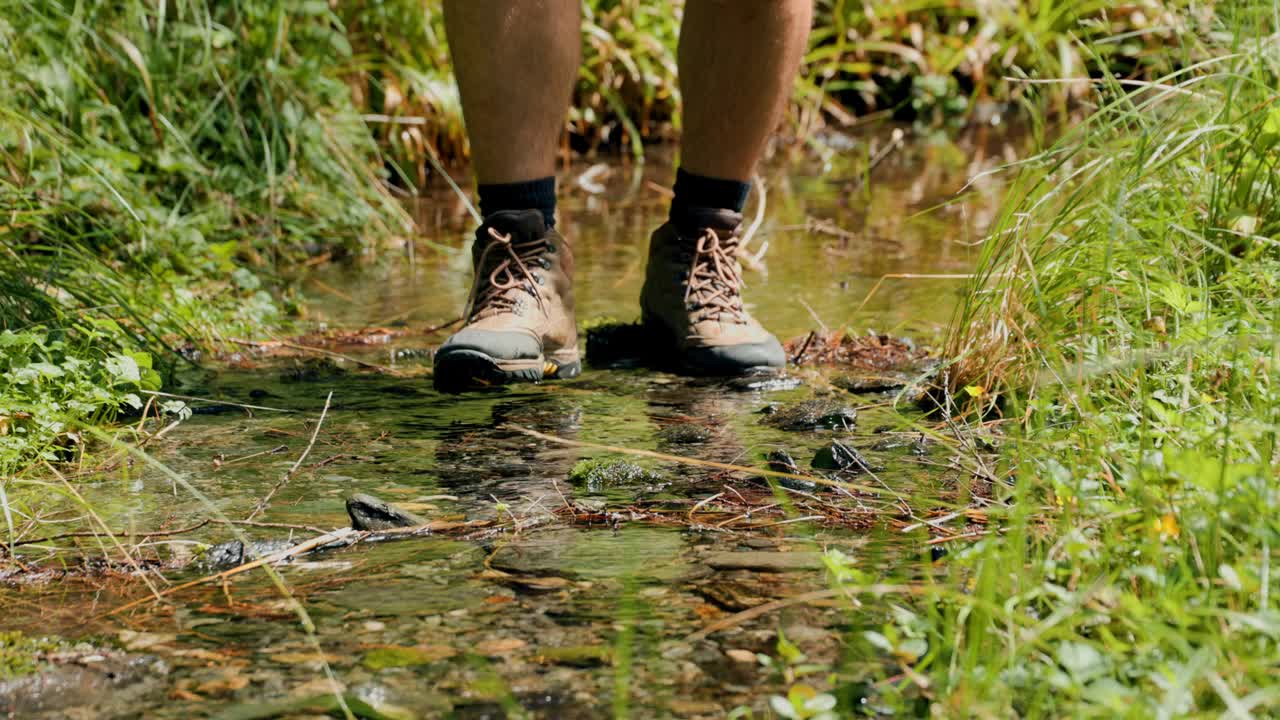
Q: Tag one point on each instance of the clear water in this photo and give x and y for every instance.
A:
(506, 611)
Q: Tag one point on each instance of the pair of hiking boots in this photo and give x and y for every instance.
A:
(520, 324)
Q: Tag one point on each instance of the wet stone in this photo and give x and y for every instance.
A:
(81, 678)
(816, 414)
(369, 513)
(597, 475)
(916, 444)
(732, 595)
(871, 382)
(234, 552)
(685, 433)
(591, 505)
(576, 655)
(781, 461)
(838, 456)
(763, 561)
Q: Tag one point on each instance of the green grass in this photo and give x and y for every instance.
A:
(1125, 326)
(161, 163)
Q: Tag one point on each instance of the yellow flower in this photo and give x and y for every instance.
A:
(1167, 526)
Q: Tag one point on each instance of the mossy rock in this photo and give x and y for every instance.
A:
(20, 655)
(599, 474)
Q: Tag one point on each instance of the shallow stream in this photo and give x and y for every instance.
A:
(567, 598)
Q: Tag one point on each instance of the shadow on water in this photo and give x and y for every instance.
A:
(585, 604)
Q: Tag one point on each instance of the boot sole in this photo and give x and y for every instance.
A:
(668, 355)
(460, 370)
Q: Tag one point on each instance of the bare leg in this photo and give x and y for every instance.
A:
(738, 64)
(738, 61)
(516, 62)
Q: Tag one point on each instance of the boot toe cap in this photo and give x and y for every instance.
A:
(735, 359)
(497, 344)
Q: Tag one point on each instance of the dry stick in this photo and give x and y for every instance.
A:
(272, 558)
(272, 451)
(803, 598)
(700, 463)
(304, 618)
(795, 359)
(262, 505)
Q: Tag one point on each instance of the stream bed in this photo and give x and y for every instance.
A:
(566, 580)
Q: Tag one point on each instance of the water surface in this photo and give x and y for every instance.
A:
(582, 601)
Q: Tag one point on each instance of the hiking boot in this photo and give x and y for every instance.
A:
(519, 318)
(692, 297)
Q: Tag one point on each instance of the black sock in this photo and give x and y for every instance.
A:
(699, 191)
(531, 195)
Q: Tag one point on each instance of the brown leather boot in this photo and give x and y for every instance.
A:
(692, 297)
(519, 320)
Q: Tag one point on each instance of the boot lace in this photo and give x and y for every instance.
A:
(499, 293)
(714, 289)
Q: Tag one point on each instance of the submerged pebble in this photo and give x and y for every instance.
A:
(816, 414)
(685, 433)
(234, 552)
(782, 461)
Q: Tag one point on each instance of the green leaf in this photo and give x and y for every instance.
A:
(123, 368)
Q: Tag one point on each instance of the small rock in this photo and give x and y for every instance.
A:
(685, 433)
(369, 513)
(500, 647)
(591, 505)
(234, 552)
(781, 461)
(576, 656)
(761, 561)
(871, 382)
(536, 584)
(600, 474)
(745, 657)
(838, 456)
(74, 678)
(394, 656)
(733, 595)
(815, 414)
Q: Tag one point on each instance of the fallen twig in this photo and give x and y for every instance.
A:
(262, 504)
(285, 554)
